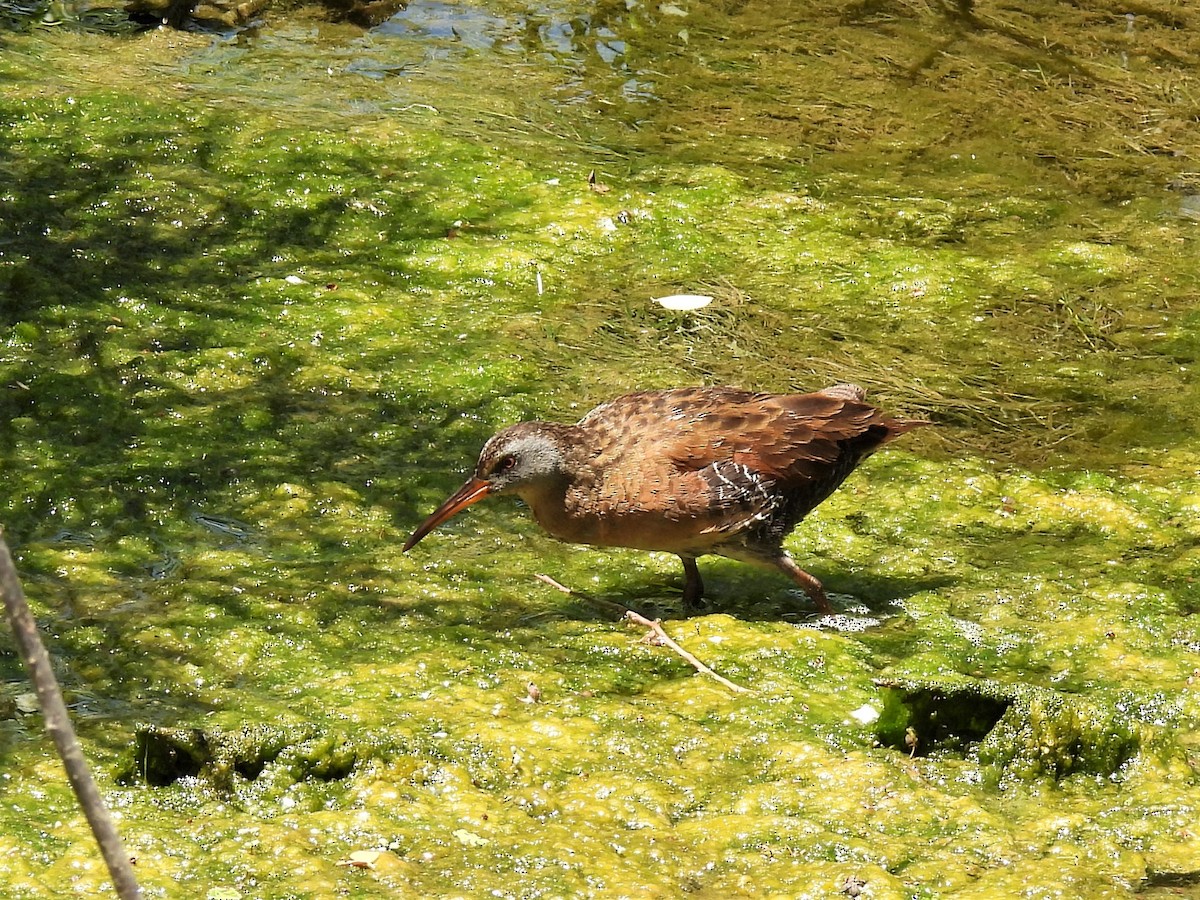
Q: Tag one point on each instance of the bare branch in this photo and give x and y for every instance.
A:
(58, 726)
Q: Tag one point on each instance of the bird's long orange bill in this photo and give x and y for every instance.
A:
(471, 492)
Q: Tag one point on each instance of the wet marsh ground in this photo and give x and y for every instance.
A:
(263, 296)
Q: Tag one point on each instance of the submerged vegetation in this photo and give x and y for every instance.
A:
(263, 296)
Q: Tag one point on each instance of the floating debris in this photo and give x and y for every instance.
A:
(361, 859)
(598, 186)
(865, 714)
(470, 838)
(223, 525)
(684, 302)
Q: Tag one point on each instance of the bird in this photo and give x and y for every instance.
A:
(691, 471)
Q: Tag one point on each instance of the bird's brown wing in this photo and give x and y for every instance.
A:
(696, 462)
(786, 438)
(643, 485)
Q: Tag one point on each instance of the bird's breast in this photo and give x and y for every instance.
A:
(655, 514)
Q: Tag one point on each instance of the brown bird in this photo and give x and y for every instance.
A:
(690, 471)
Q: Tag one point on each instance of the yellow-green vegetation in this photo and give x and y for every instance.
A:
(263, 297)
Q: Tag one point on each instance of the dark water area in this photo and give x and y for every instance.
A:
(264, 294)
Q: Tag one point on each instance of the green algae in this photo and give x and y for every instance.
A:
(259, 311)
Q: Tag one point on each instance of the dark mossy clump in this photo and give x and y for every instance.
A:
(162, 756)
(1021, 730)
(929, 718)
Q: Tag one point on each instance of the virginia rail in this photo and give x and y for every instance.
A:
(688, 471)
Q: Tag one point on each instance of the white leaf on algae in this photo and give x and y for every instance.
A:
(362, 859)
(470, 838)
(683, 302)
(865, 714)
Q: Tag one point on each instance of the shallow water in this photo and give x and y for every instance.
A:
(266, 294)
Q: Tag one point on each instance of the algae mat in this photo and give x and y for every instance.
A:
(265, 294)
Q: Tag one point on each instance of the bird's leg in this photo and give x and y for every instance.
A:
(693, 586)
(811, 586)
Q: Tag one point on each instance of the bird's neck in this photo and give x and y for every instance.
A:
(548, 496)
(547, 502)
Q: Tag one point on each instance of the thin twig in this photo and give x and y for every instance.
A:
(58, 726)
(661, 637)
(657, 635)
(597, 601)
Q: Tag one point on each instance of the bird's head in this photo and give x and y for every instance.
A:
(524, 459)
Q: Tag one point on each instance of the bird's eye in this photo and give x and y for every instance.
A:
(505, 463)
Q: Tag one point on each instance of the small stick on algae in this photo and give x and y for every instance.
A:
(655, 635)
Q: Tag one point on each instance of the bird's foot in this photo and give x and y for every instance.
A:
(811, 585)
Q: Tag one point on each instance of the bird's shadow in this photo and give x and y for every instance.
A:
(859, 599)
